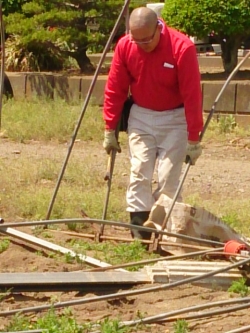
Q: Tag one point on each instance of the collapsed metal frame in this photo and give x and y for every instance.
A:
(160, 318)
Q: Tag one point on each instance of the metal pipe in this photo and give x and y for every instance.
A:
(240, 330)
(108, 177)
(2, 61)
(87, 99)
(201, 137)
(171, 314)
(150, 261)
(132, 240)
(216, 312)
(175, 314)
(114, 223)
(125, 293)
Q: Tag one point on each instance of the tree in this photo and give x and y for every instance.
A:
(228, 19)
(12, 6)
(52, 31)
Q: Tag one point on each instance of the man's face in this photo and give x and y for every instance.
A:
(146, 38)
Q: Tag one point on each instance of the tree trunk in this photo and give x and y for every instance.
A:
(229, 55)
(86, 67)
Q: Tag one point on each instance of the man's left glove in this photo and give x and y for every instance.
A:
(110, 141)
(193, 152)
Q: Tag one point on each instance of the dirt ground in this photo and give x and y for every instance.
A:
(222, 171)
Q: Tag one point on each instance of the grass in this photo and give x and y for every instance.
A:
(52, 322)
(44, 130)
(113, 253)
(181, 326)
(4, 244)
(239, 287)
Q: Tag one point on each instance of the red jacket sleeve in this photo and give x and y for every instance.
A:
(190, 88)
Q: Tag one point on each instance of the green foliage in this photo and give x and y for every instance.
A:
(50, 123)
(181, 326)
(228, 19)
(55, 31)
(12, 6)
(4, 244)
(227, 124)
(114, 253)
(113, 326)
(199, 18)
(51, 321)
(64, 323)
(239, 287)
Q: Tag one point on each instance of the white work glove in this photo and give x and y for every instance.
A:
(194, 151)
(110, 141)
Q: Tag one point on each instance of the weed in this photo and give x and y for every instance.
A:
(113, 326)
(5, 294)
(239, 287)
(64, 323)
(50, 123)
(72, 226)
(114, 253)
(4, 244)
(181, 326)
(69, 258)
(227, 124)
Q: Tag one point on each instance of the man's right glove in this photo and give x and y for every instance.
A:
(193, 152)
(110, 141)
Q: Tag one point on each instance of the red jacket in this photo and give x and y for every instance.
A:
(159, 80)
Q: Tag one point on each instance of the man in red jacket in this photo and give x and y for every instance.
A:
(159, 66)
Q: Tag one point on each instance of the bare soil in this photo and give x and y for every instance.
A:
(221, 172)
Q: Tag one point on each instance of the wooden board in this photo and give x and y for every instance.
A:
(53, 247)
(58, 281)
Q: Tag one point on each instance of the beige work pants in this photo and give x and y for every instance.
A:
(155, 136)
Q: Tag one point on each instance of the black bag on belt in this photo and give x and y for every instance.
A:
(125, 114)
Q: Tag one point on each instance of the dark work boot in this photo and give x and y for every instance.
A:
(138, 218)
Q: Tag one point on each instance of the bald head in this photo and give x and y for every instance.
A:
(142, 17)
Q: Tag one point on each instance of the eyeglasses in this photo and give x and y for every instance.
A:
(146, 40)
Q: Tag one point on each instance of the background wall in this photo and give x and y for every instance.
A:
(235, 99)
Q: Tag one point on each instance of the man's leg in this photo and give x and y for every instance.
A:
(171, 152)
(138, 218)
(143, 150)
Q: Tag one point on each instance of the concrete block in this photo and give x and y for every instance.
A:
(97, 95)
(18, 83)
(40, 85)
(67, 88)
(227, 100)
(242, 97)
(243, 121)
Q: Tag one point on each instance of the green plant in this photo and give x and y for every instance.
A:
(181, 326)
(228, 20)
(69, 258)
(113, 326)
(51, 321)
(239, 287)
(227, 124)
(4, 244)
(114, 254)
(5, 294)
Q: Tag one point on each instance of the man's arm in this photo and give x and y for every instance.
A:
(116, 89)
(190, 88)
